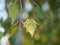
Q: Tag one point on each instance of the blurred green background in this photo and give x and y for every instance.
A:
(48, 30)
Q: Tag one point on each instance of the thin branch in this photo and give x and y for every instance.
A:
(33, 7)
(14, 2)
(36, 4)
(21, 13)
(34, 10)
(16, 23)
(22, 21)
(21, 5)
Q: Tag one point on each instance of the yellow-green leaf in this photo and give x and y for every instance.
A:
(30, 25)
(13, 29)
(13, 10)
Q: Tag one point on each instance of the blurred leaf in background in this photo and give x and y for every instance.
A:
(48, 30)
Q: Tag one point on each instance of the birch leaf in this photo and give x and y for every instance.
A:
(30, 25)
(13, 29)
(13, 10)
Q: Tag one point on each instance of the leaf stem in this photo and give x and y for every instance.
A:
(35, 3)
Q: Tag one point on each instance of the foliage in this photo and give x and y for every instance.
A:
(40, 28)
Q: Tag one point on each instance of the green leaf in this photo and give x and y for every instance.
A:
(30, 26)
(38, 11)
(13, 29)
(13, 10)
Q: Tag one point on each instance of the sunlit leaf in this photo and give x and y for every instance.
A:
(30, 26)
(13, 29)
(13, 10)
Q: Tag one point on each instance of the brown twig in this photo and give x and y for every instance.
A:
(21, 14)
(36, 4)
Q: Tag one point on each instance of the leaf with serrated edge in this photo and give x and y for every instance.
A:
(30, 26)
(13, 10)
